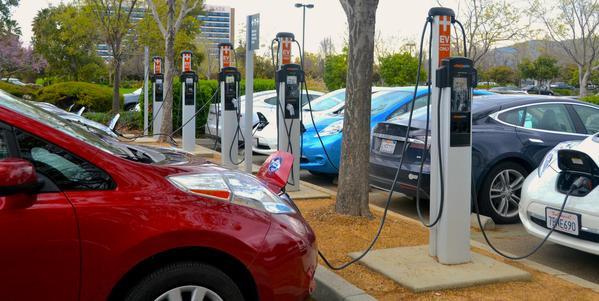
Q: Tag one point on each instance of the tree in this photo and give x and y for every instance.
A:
(65, 36)
(114, 18)
(335, 71)
(574, 25)
(399, 69)
(14, 58)
(542, 69)
(169, 32)
(502, 75)
(7, 24)
(486, 23)
(352, 197)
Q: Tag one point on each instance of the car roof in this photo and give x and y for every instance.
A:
(504, 101)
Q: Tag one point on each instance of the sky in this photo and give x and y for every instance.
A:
(398, 21)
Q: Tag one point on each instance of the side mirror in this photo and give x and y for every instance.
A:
(18, 184)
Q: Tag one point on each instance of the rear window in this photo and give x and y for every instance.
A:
(513, 117)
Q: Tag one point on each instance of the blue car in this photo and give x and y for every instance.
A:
(386, 104)
(510, 136)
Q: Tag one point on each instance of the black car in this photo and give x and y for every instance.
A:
(510, 136)
(539, 90)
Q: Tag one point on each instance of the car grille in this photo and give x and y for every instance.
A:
(588, 236)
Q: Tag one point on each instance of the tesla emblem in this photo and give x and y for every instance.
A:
(412, 177)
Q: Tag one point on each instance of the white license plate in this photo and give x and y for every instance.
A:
(568, 222)
(387, 146)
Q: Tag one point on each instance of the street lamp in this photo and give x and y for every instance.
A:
(304, 6)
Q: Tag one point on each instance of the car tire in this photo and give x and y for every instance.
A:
(494, 195)
(184, 279)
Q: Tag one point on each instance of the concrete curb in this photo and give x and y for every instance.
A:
(332, 287)
(529, 263)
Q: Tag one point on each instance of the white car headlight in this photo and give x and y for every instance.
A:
(332, 129)
(551, 156)
(237, 188)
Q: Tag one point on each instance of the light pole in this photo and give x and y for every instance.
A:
(304, 6)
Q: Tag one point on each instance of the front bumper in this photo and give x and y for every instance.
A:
(382, 172)
(538, 193)
(286, 265)
(314, 157)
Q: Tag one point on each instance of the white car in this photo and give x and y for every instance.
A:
(265, 140)
(543, 194)
(264, 103)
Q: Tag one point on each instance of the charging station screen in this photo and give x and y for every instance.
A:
(292, 80)
(461, 95)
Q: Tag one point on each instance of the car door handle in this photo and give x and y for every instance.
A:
(537, 141)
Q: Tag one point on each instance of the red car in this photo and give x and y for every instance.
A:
(84, 218)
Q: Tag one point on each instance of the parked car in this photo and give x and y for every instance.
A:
(132, 100)
(561, 85)
(83, 219)
(543, 194)
(510, 136)
(385, 104)
(539, 90)
(507, 90)
(14, 81)
(325, 106)
(264, 103)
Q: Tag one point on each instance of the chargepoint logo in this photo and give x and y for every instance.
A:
(444, 37)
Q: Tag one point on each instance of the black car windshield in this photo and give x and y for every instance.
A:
(420, 113)
(54, 121)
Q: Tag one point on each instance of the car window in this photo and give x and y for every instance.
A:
(66, 170)
(4, 150)
(513, 117)
(589, 117)
(550, 117)
(328, 101)
(385, 101)
(271, 101)
(420, 102)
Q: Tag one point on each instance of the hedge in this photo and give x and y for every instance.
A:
(16, 90)
(592, 99)
(129, 120)
(565, 92)
(95, 98)
(204, 94)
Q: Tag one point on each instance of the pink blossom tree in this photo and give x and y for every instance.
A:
(14, 58)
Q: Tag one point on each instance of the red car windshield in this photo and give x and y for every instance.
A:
(21, 107)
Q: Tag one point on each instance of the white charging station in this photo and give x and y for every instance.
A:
(157, 96)
(229, 95)
(289, 79)
(449, 240)
(189, 80)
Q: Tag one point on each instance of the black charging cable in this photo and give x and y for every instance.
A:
(384, 217)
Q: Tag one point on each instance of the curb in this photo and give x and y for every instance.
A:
(332, 287)
(529, 263)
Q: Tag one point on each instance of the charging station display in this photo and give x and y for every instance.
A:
(292, 76)
(158, 88)
(230, 78)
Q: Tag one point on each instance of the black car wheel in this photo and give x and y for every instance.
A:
(499, 196)
(186, 281)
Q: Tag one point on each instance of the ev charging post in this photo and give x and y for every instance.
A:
(229, 79)
(289, 79)
(157, 96)
(451, 150)
(189, 80)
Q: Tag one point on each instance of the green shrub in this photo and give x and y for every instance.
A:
(129, 119)
(17, 90)
(100, 117)
(204, 95)
(564, 92)
(592, 99)
(95, 98)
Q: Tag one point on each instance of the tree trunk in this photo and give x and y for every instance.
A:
(352, 197)
(583, 80)
(169, 64)
(116, 96)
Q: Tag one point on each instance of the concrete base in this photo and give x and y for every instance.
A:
(413, 268)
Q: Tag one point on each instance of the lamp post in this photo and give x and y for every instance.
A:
(304, 6)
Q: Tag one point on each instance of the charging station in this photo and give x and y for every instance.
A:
(157, 95)
(229, 79)
(189, 80)
(289, 78)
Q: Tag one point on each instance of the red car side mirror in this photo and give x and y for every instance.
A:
(18, 184)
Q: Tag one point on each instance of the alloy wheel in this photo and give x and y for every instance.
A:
(189, 293)
(505, 192)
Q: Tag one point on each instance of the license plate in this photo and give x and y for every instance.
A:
(568, 222)
(387, 146)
